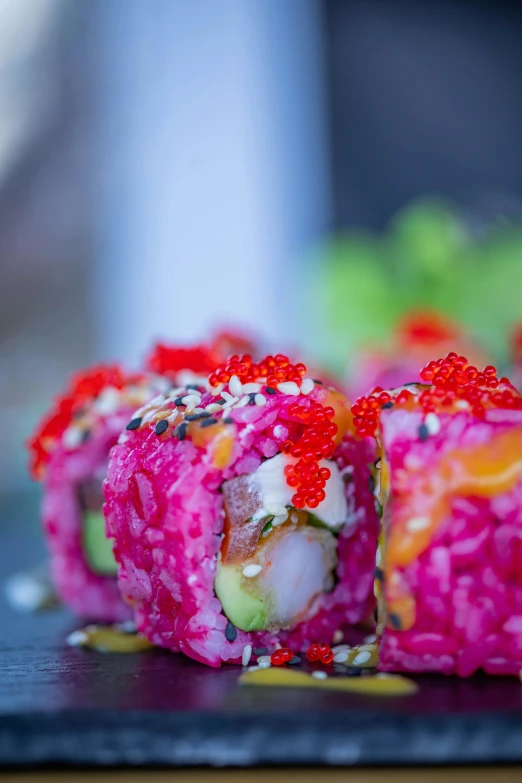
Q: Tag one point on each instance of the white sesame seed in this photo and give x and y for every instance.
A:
(226, 396)
(276, 509)
(260, 399)
(250, 388)
(361, 658)
(307, 385)
(235, 386)
(252, 570)
(213, 407)
(217, 390)
(262, 381)
(289, 387)
(264, 665)
(378, 556)
(247, 654)
(128, 626)
(191, 399)
(341, 657)
(108, 401)
(462, 405)
(432, 423)
(263, 659)
(320, 675)
(252, 668)
(242, 402)
(341, 648)
(230, 402)
(371, 639)
(338, 636)
(198, 409)
(76, 639)
(415, 524)
(72, 437)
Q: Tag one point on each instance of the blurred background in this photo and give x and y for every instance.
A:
(340, 175)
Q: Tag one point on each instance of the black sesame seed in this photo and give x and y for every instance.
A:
(424, 432)
(181, 431)
(220, 402)
(194, 417)
(86, 434)
(228, 420)
(209, 422)
(348, 478)
(230, 632)
(252, 398)
(379, 574)
(395, 620)
(371, 484)
(271, 390)
(316, 380)
(294, 661)
(192, 386)
(179, 401)
(386, 405)
(260, 650)
(134, 423)
(376, 615)
(161, 427)
(377, 462)
(205, 415)
(352, 671)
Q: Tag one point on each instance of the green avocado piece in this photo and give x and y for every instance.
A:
(243, 609)
(96, 546)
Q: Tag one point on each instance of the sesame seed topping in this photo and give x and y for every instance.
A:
(230, 632)
(432, 422)
(251, 388)
(252, 570)
(72, 437)
(270, 390)
(260, 650)
(214, 407)
(416, 524)
(386, 405)
(209, 422)
(371, 639)
(264, 665)
(194, 417)
(307, 385)
(190, 399)
(338, 636)
(193, 386)
(294, 661)
(227, 420)
(161, 427)
(179, 401)
(217, 390)
(263, 659)
(379, 574)
(227, 397)
(289, 387)
(395, 620)
(76, 639)
(260, 399)
(134, 424)
(235, 386)
(423, 432)
(319, 675)
(247, 654)
(181, 430)
(341, 657)
(317, 380)
(252, 398)
(362, 658)
(242, 402)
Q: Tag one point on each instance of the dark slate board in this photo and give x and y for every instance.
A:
(74, 706)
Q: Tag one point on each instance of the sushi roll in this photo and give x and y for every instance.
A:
(243, 514)
(418, 337)
(69, 454)
(449, 561)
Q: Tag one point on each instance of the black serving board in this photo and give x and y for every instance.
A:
(74, 706)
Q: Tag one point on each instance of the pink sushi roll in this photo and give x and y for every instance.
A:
(449, 563)
(70, 452)
(242, 514)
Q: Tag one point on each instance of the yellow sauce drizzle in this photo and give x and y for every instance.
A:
(376, 685)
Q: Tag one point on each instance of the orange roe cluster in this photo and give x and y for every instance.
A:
(168, 360)
(312, 441)
(427, 328)
(83, 389)
(449, 381)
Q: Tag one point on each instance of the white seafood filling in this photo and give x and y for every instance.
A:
(269, 481)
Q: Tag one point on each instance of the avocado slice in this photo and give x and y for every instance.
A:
(96, 546)
(242, 608)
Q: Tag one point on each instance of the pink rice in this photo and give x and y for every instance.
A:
(89, 595)
(164, 509)
(468, 583)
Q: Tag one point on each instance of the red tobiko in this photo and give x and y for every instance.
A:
(168, 360)
(449, 383)
(312, 441)
(83, 389)
(427, 328)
